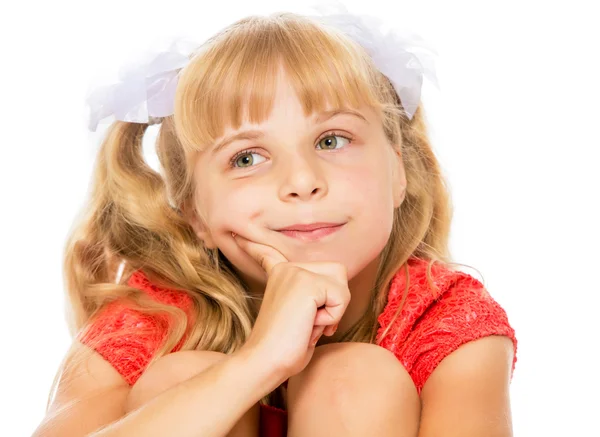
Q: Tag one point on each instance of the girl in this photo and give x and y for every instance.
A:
(289, 271)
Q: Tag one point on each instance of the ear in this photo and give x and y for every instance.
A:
(398, 176)
(200, 229)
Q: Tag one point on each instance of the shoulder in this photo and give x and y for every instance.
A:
(125, 336)
(442, 310)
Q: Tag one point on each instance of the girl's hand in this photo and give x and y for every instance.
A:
(301, 302)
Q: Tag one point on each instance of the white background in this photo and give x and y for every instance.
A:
(514, 126)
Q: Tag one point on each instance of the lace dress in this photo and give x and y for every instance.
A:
(430, 327)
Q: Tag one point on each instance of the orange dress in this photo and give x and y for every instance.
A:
(430, 327)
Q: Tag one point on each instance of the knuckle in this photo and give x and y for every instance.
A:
(279, 269)
(262, 260)
(339, 267)
(342, 290)
(295, 270)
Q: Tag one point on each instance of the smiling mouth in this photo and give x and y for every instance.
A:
(312, 235)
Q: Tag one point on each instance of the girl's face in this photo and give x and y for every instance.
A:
(300, 170)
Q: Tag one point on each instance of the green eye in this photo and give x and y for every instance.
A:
(244, 160)
(331, 141)
(328, 142)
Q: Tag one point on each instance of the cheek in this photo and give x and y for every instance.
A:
(229, 208)
(371, 202)
(370, 185)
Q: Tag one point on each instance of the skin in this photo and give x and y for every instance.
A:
(292, 181)
(301, 173)
(291, 177)
(323, 399)
(467, 395)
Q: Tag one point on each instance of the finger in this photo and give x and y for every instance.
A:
(317, 331)
(330, 330)
(334, 306)
(266, 256)
(330, 315)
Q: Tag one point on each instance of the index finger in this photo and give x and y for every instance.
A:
(266, 256)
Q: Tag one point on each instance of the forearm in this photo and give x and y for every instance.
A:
(208, 404)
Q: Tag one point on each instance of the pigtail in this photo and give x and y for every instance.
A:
(131, 223)
(133, 218)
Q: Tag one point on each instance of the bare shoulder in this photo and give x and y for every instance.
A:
(90, 395)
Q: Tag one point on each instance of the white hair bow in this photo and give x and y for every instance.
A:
(145, 92)
(404, 59)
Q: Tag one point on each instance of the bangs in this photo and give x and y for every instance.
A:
(234, 79)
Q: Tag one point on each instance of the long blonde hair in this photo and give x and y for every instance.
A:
(133, 217)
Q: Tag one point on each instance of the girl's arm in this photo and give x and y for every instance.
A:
(88, 396)
(208, 404)
(468, 394)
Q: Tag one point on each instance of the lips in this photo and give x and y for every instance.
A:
(309, 227)
(311, 232)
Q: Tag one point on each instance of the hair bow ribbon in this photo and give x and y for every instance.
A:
(146, 91)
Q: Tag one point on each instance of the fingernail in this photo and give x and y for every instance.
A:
(315, 340)
(335, 327)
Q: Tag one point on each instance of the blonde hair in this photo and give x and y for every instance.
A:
(133, 217)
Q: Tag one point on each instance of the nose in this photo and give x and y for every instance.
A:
(303, 179)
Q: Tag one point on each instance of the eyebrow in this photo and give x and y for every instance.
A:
(254, 134)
